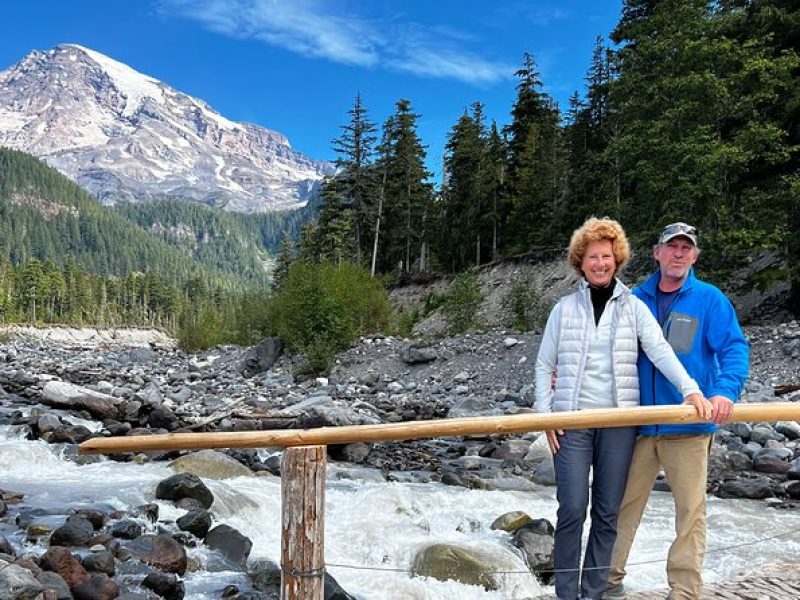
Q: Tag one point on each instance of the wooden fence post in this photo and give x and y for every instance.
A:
(303, 523)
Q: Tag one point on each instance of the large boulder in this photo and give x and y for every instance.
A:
(232, 545)
(184, 485)
(61, 561)
(465, 565)
(414, 355)
(77, 531)
(196, 521)
(159, 551)
(536, 541)
(210, 464)
(754, 489)
(74, 397)
(262, 357)
(18, 583)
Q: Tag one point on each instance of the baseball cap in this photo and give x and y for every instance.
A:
(674, 230)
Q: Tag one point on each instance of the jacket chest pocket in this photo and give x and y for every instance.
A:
(680, 331)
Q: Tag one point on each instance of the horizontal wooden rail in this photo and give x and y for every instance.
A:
(607, 417)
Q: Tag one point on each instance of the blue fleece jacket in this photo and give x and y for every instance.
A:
(702, 328)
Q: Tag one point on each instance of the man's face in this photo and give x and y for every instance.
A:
(675, 258)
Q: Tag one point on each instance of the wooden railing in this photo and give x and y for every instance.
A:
(303, 463)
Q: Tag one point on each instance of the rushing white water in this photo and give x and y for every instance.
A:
(380, 526)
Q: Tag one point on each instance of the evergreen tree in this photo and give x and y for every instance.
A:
(465, 198)
(355, 180)
(536, 162)
(407, 196)
(702, 137)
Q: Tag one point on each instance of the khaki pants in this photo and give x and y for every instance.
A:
(685, 462)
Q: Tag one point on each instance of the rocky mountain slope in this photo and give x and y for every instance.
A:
(126, 136)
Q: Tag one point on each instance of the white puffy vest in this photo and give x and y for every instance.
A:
(577, 324)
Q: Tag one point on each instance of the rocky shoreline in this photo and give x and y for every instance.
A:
(64, 392)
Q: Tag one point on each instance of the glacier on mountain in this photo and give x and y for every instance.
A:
(125, 136)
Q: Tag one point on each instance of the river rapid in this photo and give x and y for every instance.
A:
(379, 526)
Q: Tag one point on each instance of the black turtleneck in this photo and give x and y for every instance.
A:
(600, 296)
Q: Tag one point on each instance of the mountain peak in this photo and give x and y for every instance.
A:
(134, 86)
(126, 136)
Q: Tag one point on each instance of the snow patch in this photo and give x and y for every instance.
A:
(135, 86)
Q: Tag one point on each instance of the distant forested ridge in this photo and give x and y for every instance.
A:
(692, 115)
(237, 244)
(64, 258)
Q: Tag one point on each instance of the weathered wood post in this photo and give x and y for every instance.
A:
(303, 523)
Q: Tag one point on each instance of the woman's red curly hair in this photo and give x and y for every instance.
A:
(594, 230)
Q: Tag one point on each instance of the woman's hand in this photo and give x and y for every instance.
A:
(552, 439)
(703, 406)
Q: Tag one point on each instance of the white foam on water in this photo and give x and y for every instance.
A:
(381, 526)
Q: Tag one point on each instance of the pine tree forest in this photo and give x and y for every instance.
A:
(689, 112)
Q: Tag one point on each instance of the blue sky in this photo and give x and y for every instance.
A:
(296, 65)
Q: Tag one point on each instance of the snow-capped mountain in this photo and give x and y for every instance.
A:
(125, 136)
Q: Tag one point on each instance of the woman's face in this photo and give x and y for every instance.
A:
(598, 264)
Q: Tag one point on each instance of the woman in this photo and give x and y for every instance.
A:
(591, 344)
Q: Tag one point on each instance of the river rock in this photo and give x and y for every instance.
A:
(512, 450)
(793, 490)
(472, 407)
(77, 531)
(163, 418)
(511, 521)
(184, 485)
(262, 357)
(166, 585)
(537, 545)
(354, 453)
(159, 551)
(98, 587)
(17, 583)
(334, 591)
(54, 581)
(545, 473)
(790, 429)
(101, 562)
(73, 397)
(414, 355)
(466, 565)
(538, 451)
(126, 529)
(761, 434)
(5, 546)
(197, 522)
(48, 422)
(210, 464)
(741, 430)
(266, 577)
(794, 470)
(60, 560)
(232, 545)
(754, 489)
(772, 460)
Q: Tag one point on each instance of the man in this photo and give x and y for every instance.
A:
(700, 324)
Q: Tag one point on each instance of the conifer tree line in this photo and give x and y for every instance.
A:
(692, 114)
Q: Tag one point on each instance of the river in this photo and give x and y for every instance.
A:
(379, 526)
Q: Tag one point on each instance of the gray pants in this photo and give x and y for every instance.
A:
(608, 453)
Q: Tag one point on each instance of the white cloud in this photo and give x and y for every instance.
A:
(304, 27)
